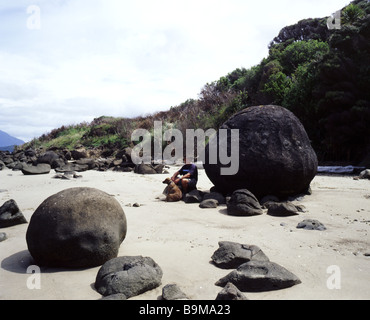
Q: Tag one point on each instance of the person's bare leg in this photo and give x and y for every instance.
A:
(185, 183)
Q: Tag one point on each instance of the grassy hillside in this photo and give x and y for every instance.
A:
(322, 75)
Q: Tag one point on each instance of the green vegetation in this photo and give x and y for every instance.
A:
(321, 75)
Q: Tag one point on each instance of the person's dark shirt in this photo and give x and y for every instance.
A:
(190, 168)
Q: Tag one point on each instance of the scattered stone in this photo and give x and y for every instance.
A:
(257, 276)
(136, 205)
(209, 204)
(194, 196)
(3, 236)
(77, 227)
(130, 276)
(10, 215)
(231, 292)
(216, 196)
(173, 292)
(42, 168)
(231, 254)
(144, 169)
(72, 167)
(310, 224)
(365, 174)
(281, 209)
(50, 157)
(117, 296)
(243, 203)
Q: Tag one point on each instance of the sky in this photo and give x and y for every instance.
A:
(64, 62)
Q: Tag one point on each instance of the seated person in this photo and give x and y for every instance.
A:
(189, 179)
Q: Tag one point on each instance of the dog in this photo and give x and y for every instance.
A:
(174, 193)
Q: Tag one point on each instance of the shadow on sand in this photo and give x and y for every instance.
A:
(19, 263)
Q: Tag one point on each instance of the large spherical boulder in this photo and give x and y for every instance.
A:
(77, 227)
(275, 154)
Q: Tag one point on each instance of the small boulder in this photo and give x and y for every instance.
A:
(231, 254)
(3, 236)
(48, 157)
(10, 215)
(117, 296)
(258, 276)
(365, 174)
(194, 196)
(173, 292)
(130, 276)
(243, 203)
(144, 169)
(216, 196)
(42, 168)
(209, 204)
(231, 292)
(281, 209)
(310, 224)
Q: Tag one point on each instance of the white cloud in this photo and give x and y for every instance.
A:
(127, 58)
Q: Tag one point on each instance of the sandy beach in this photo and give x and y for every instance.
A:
(181, 238)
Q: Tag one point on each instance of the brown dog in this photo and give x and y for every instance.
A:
(173, 191)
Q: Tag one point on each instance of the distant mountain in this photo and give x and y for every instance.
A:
(7, 142)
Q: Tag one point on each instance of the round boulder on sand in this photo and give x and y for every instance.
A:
(77, 227)
(275, 154)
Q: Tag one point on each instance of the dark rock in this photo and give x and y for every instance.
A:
(275, 154)
(365, 174)
(90, 163)
(72, 167)
(257, 276)
(30, 153)
(268, 198)
(77, 227)
(231, 292)
(10, 215)
(2, 165)
(310, 224)
(3, 236)
(209, 204)
(231, 254)
(194, 196)
(144, 169)
(43, 168)
(173, 292)
(216, 196)
(158, 168)
(78, 154)
(243, 203)
(117, 296)
(7, 160)
(281, 209)
(130, 276)
(51, 158)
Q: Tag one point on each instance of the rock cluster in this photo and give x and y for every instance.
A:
(254, 271)
(33, 162)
